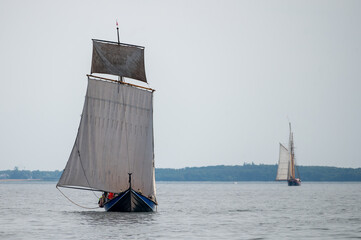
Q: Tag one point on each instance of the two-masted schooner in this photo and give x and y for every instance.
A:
(286, 163)
(114, 149)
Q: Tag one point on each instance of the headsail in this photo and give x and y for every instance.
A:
(115, 138)
(283, 163)
(118, 59)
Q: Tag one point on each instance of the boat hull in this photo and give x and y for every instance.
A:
(130, 201)
(294, 182)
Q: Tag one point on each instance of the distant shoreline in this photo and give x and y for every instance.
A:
(220, 173)
(19, 180)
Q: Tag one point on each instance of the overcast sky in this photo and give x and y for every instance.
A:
(228, 74)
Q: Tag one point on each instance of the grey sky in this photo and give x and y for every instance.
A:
(228, 75)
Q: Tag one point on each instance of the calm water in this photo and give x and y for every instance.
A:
(188, 211)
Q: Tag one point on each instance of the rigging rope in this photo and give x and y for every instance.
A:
(73, 201)
(86, 178)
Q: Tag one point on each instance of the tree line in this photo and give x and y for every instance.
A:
(253, 172)
(27, 174)
(245, 172)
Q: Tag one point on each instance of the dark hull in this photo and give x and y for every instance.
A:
(130, 201)
(294, 182)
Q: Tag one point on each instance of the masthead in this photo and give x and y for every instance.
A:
(117, 31)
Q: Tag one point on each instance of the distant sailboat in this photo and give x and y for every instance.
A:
(114, 149)
(286, 164)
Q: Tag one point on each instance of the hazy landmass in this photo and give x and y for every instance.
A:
(252, 172)
(246, 172)
(30, 175)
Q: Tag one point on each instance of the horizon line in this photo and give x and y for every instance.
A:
(240, 165)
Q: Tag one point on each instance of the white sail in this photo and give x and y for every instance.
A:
(115, 137)
(283, 163)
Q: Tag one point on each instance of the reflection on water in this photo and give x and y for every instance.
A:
(188, 210)
(95, 218)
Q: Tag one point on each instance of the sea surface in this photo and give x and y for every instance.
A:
(187, 210)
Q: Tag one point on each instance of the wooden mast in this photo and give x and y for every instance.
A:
(293, 175)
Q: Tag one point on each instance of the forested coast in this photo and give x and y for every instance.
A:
(245, 172)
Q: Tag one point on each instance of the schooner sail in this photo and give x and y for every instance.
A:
(286, 163)
(114, 148)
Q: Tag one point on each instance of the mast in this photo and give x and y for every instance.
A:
(120, 78)
(292, 155)
(118, 32)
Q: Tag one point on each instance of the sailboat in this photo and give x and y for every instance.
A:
(113, 151)
(286, 163)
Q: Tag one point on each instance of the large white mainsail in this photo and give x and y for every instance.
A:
(115, 136)
(283, 164)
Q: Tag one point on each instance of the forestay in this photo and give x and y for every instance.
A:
(283, 163)
(118, 59)
(115, 137)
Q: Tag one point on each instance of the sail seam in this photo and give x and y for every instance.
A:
(120, 103)
(126, 132)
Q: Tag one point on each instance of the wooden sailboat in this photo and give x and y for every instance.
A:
(114, 149)
(286, 164)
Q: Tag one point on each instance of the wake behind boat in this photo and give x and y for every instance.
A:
(114, 148)
(286, 163)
